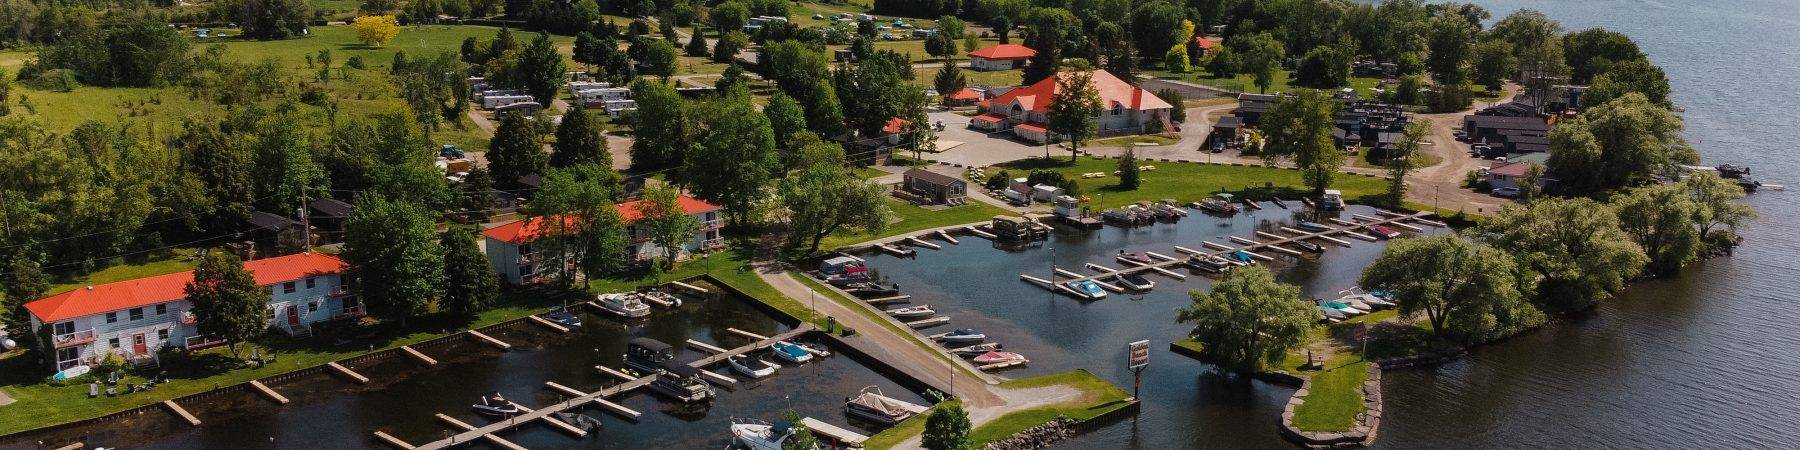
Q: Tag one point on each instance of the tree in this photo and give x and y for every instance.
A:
(729, 45)
(477, 195)
(729, 16)
(1537, 45)
(1049, 28)
(1720, 205)
(1178, 114)
(947, 428)
(1621, 143)
(1590, 52)
(23, 282)
(732, 78)
(824, 197)
(393, 253)
(1248, 319)
(227, 302)
(1224, 63)
(1404, 158)
(1491, 62)
(1575, 245)
(1262, 56)
(661, 127)
(733, 157)
(376, 31)
(1073, 110)
(1449, 38)
(1633, 76)
(1465, 289)
(785, 118)
(941, 46)
(1531, 185)
(578, 141)
(1324, 67)
(1660, 218)
(669, 226)
(1300, 128)
(273, 19)
(575, 209)
(658, 57)
(800, 437)
(540, 70)
(1176, 59)
(516, 150)
(875, 91)
(470, 283)
(1129, 174)
(1003, 29)
(696, 45)
(949, 80)
(952, 26)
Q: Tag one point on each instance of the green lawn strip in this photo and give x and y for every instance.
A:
(1125, 141)
(1282, 82)
(1335, 398)
(1101, 397)
(904, 430)
(129, 271)
(877, 317)
(914, 218)
(1188, 182)
(870, 173)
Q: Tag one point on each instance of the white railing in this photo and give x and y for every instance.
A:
(76, 338)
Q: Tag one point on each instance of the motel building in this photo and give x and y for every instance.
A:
(137, 318)
(511, 253)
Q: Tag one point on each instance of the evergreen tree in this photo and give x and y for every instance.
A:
(228, 304)
(578, 141)
(23, 282)
(470, 283)
(516, 150)
(949, 80)
(541, 70)
(1129, 174)
(477, 195)
(696, 45)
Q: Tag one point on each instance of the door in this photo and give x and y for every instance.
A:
(293, 313)
(137, 345)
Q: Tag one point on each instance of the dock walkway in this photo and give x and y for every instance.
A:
(483, 432)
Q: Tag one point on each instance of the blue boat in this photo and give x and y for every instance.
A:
(562, 317)
(1312, 227)
(1241, 256)
(790, 352)
(1087, 288)
(963, 335)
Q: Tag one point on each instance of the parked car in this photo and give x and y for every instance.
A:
(1462, 135)
(1506, 192)
(451, 151)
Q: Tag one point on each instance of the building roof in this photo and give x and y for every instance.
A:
(1204, 43)
(932, 177)
(965, 94)
(271, 221)
(1230, 122)
(1511, 169)
(990, 117)
(1004, 52)
(1113, 92)
(332, 208)
(1032, 127)
(522, 231)
(895, 125)
(1504, 122)
(170, 287)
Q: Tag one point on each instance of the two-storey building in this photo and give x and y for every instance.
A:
(136, 318)
(510, 250)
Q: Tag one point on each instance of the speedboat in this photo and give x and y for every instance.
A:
(1217, 206)
(816, 349)
(752, 367)
(1314, 227)
(665, 297)
(1136, 282)
(1354, 302)
(871, 290)
(1000, 358)
(964, 335)
(975, 350)
(912, 312)
(759, 435)
(625, 305)
(1211, 264)
(1333, 314)
(681, 382)
(562, 316)
(1241, 257)
(790, 352)
(872, 405)
(496, 405)
(1135, 259)
(1346, 308)
(1384, 232)
(1087, 289)
(1308, 246)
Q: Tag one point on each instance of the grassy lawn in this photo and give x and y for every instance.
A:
(1132, 140)
(914, 218)
(1188, 181)
(902, 431)
(1364, 86)
(869, 173)
(1100, 397)
(1336, 396)
(130, 271)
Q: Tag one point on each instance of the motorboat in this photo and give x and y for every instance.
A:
(755, 434)
(664, 297)
(1000, 358)
(582, 421)
(1158, 211)
(1241, 257)
(870, 404)
(1212, 264)
(1374, 302)
(1354, 302)
(1135, 259)
(1136, 282)
(847, 279)
(1314, 227)
(1087, 289)
(871, 290)
(1346, 308)
(912, 312)
(646, 355)
(790, 352)
(1308, 246)
(752, 367)
(1120, 216)
(495, 405)
(626, 305)
(681, 382)
(818, 350)
(562, 316)
(975, 350)
(1382, 231)
(964, 335)
(1217, 206)
(1333, 314)
(1173, 207)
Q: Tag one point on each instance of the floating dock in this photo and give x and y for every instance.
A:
(394, 441)
(896, 251)
(834, 432)
(491, 438)
(894, 299)
(915, 241)
(977, 231)
(266, 392)
(614, 408)
(695, 289)
(1002, 365)
(555, 422)
(347, 373)
(705, 347)
(762, 343)
(489, 432)
(491, 341)
(927, 323)
(945, 235)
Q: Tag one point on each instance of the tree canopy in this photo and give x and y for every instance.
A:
(1248, 319)
(227, 302)
(1575, 245)
(1300, 128)
(392, 249)
(1465, 289)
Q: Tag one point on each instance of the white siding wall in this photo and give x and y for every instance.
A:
(125, 329)
(979, 63)
(504, 257)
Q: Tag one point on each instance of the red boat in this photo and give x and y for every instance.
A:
(1384, 232)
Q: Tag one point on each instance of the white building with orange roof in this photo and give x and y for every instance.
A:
(510, 250)
(1000, 57)
(1124, 108)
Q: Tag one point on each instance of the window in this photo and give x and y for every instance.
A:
(163, 334)
(525, 270)
(711, 216)
(525, 249)
(112, 317)
(114, 342)
(271, 313)
(137, 313)
(309, 282)
(312, 307)
(287, 288)
(63, 327)
(67, 355)
(162, 309)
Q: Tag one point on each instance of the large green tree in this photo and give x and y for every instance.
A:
(669, 226)
(1636, 75)
(824, 196)
(1622, 143)
(947, 428)
(661, 126)
(541, 71)
(1721, 208)
(1660, 218)
(1574, 245)
(786, 117)
(1248, 319)
(392, 249)
(470, 283)
(23, 281)
(733, 158)
(1404, 158)
(1590, 52)
(1261, 56)
(1465, 289)
(1300, 128)
(1073, 111)
(578, 141)
(227, 302)
(517, 149)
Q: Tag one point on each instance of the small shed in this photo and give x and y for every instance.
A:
(936, 187)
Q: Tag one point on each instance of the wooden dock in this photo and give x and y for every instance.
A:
(615, 372)
(928, 323)
(347, 373)
(894, 299)
(977, 231)
(548, 324)
(555, 422)
(761, 343)
(266, 392)
(896, 251)
(1248, 246)
(614, 408)
(492, 438)
(915, 241)
(945, 235)
(709, 348)
(183, 413)
(490, 340)
(471, 433)
(651, 299)
(415, 354)
(695, 289)
(394, 441)
(834, 432)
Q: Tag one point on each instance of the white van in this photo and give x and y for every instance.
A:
(1332, 200)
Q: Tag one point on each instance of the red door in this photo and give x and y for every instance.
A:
(293, 316)
(137, 345)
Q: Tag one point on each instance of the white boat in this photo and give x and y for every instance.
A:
(759, 435)
(872, 405)
(1354, 302)
(790, 352)
(817, 349)
(976, 350)
(72, 372)
(1332, 314)
(752, 367)
(496, 405)
(1087, 289)
(625, 305)
(964, 335)
(912, 312)
(665, 297)
(999, 357)
(681, 382)
(1135, 282)
(1212, 264)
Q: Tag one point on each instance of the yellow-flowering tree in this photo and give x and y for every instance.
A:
(376, 31)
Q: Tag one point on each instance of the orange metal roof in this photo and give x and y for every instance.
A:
(1004, 52)
(1113, 92)
(1204, 43)
(522, 231)
(1033, 127)
(966, 94)
(166, 288)
(895, 125)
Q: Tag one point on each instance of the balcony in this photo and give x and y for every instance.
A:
(528, 258)
(340, 291)
(348, 313)
(73, 339)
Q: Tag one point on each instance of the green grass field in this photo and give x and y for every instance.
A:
(1100, 397)
(1364, 86)
(129, 271)
(1336, 396)
(914, 218)
(1186, 182)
